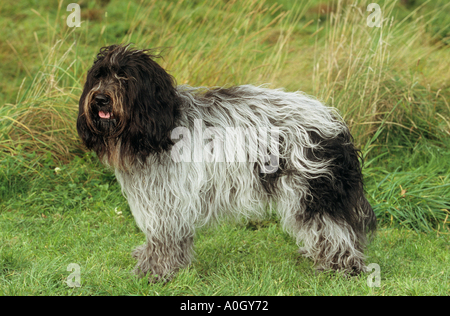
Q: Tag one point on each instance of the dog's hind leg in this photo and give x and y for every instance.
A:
(333, 217)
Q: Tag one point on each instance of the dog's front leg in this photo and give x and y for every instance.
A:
(161, 259)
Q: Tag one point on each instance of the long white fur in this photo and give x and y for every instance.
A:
(170, 199)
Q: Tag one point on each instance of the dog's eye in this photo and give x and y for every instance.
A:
(100, 72)
(122, 77)
(98, 75)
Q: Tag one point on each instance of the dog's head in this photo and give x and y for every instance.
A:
(128, 106)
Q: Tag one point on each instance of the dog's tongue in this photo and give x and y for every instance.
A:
(104, 115)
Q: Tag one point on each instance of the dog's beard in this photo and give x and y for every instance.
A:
(105, 122)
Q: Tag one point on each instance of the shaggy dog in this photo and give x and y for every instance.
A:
(186, 157)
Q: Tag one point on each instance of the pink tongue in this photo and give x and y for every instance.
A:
(104, 115)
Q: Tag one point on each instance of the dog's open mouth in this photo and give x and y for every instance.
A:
(105, 115)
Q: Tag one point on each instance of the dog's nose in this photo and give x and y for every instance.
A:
(101, 99)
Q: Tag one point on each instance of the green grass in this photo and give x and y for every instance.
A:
(58, 205)
(410, 188)
(77, 215)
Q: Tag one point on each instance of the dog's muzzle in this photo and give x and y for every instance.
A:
(103, 105)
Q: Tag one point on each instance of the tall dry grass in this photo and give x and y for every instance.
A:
(372, 75)
(43, 117)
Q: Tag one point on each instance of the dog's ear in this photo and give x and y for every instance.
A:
(153, 105)
(92, 141)
(88, 138)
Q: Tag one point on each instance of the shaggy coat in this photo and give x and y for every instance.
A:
(186, 157)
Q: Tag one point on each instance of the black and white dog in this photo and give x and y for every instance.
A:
(185, 157)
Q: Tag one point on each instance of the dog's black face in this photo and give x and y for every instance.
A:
(128, 106)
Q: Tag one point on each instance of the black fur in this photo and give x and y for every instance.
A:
(344, 191)
(149, 95)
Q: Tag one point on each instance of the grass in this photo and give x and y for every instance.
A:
(414, 193)
(58, 205)
(78, 216)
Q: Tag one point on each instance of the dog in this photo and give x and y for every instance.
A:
(186, 157)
